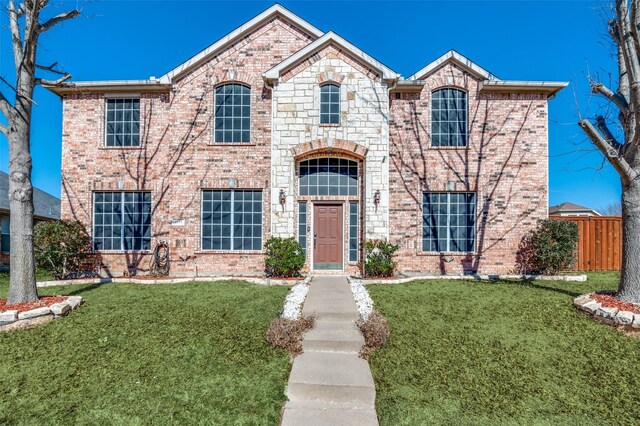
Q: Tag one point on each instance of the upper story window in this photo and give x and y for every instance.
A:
(123, 122)
(329, 104)
(449, 117)
(232, 113)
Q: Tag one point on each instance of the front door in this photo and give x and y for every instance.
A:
(327, 239)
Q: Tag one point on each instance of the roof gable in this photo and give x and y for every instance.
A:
(272, 12)
(460, 60)
(328, 39)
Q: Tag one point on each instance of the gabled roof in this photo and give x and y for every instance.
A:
(45, 205)
(570, 207)
(489, 82)
(270, 13)
(326, 40)
(462, 61)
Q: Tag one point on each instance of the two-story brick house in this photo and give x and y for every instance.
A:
(280, 129)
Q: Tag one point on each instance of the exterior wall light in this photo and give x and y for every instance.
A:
(376, 199)
(283, 198)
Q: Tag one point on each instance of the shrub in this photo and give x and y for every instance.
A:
(284, 257)
(549, 248)
(60, 246)
(375, 331)
(379, 258)
(287, 334)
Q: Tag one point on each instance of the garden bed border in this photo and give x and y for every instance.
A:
(177, 280)
(11, 320)
(475, 277)
(626, 320)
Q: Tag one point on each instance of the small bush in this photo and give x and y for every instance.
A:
(60, 246)
(375, 331)
(287, 334)
(549, 248)
(284, 257)
(379, 258)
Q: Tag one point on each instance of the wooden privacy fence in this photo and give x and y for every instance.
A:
(599, 242)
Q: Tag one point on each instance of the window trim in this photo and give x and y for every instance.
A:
(357, 232)
(116, 96)
(339, 86)
(213, 126)
(447, 252)
(467, 127)
(93, 223)
(231, 251)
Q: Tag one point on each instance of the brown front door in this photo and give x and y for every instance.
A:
(327, 244)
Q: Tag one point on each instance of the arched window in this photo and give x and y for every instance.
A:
(328, 176)
(449, 117)
(232, 113)
(330, 104)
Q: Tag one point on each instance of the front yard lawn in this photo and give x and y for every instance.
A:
(157, 354)
(465, 352)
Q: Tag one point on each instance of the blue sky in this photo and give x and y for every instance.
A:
(543, 40)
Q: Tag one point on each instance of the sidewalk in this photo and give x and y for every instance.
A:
(329, 384)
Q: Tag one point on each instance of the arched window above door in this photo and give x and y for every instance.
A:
(328, 176)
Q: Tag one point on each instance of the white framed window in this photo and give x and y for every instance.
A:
(330, 104)
(448, 221)
(449, 117)
(122, 122)
(232, 220)
(232, 114)
(302, 225)
(122, 220)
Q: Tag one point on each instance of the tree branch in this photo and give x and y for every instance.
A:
(57, 19)
(601, 123)
(51, 68)
(4, 130)
(18, 50)
(5, 106)
(42, 81)
(617, 98)
(627, 174)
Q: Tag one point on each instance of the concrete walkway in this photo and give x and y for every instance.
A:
(329, 384)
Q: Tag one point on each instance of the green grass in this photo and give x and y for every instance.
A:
(464, 352)
(159, 354)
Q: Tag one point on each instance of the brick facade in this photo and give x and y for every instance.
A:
(384, 128)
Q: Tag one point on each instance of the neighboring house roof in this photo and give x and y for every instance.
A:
(45, 205)
(571, 208)
(328, 39)
(488, 81)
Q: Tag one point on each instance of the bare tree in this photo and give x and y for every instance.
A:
(611, 209)
(623, 152)
(26, 28)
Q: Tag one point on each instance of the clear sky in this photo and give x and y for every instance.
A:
(516, 40)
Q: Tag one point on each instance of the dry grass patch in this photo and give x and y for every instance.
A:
(375, 331)
(287, 334)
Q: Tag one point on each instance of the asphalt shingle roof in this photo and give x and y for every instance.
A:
(45, 204)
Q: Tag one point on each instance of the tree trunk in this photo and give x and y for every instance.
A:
(22, 284)
(629, 289)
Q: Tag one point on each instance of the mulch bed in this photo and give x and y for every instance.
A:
(608, 300)
(23, 307)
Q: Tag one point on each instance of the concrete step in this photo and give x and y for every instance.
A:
(332, 346)
(305, 393)
(327, 415)
(331, 369)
